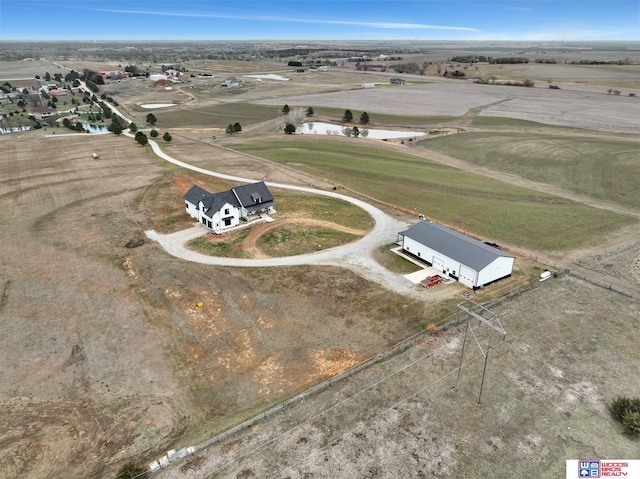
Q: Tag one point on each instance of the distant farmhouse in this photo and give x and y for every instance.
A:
(467, 260)
(397, 81)
(230, 82)
(43, 112)
(225, 210)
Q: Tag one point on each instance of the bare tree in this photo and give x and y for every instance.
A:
(297, 116)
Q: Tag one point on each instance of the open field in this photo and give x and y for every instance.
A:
(567, 354)
(23, 73)
(79, 309)
(572, 106)
(602, 167)
(106, 356)
(489, 208)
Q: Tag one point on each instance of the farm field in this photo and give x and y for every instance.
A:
(115, 351)
(572, 106)
(603, 167)
(487, 207)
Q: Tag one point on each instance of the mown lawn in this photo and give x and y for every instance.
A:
(323, 208)
(466, 201)
(605, 168)
(295, 239)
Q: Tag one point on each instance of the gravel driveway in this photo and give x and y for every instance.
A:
(356, 256)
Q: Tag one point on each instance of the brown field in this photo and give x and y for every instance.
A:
(567, 354)
(572, 106)
(106, 357)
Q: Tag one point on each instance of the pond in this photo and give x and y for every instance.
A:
(320, 128)
(270, 76)
(91, 128)
(15, 129)
(150, 106)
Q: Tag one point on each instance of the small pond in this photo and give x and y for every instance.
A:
(319, 128)
(91, 128)
(150, 106)
(270, 76)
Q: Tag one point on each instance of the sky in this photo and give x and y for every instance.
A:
(509, 20)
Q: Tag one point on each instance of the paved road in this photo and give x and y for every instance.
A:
(356, 256)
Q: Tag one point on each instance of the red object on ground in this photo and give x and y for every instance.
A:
(431, 280)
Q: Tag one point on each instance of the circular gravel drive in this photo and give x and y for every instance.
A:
(356, 256)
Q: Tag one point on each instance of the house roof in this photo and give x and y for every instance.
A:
(469, 251)
(43, 109)
(214, 202)
(195, 194)
(252, 196)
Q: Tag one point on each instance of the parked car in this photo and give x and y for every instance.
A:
(431, 280)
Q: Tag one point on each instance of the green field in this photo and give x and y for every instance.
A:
(470, 202)
(217, 115)
(605, 168)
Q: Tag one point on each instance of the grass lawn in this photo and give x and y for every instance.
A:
(228, 244)
(467, 201)
(606, 168)
(293, 239)
(323, 208)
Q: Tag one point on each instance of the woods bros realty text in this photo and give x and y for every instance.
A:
(602, 468)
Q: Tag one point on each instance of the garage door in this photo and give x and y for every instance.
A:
(467, 276)
(438, 263)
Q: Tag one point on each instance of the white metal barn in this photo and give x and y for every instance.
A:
(469, 261)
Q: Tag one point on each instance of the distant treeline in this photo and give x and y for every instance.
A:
(483, 59)
(411, 68)
(504, 60)
(491, 81)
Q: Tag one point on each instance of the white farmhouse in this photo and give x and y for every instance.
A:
(224, 210)
(469, 261)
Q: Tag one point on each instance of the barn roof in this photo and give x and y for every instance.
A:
(468, 251)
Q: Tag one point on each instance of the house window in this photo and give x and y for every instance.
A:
(227, 221)
(226, 211)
